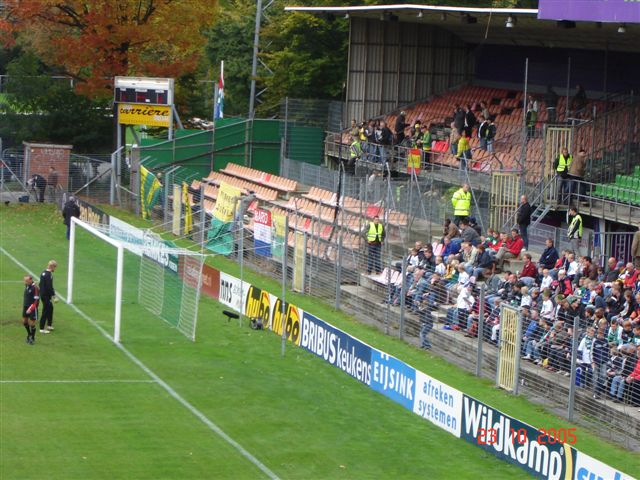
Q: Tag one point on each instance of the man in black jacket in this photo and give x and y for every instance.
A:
(39, 185)
(71, 209)
(523, 219)
(47, 294)
(549, 256)
(401, 124)
(385, 141)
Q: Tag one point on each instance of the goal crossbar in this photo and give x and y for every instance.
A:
(75, 223)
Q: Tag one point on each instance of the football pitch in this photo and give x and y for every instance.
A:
(75, 405)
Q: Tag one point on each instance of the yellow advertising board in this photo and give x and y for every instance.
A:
(149, 115)
(226, 202)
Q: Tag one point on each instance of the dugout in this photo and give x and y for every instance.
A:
(401, 54)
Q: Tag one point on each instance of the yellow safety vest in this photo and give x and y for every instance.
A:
(572, 227)
(426, 141)
(461, 201)
(374, 234)
(355, 149)
(564, 163)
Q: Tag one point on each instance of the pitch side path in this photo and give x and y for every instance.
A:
(75, 405)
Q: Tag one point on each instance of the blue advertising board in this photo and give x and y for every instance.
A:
(393, 378)
(336, 347)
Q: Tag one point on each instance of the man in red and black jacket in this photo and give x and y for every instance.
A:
(30, 302)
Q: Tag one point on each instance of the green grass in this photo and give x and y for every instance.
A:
(299, 416)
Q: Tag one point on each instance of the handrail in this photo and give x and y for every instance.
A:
(510, 221)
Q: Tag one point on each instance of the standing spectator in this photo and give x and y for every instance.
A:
(39, 185)
(375, 236)
(491, 135)
(355, 152)
(579, 101)
(385, 140)
(483, 130)
(600, 358)
(401, 124)
(549, 256)
(52, 182)
(523, 219)
(370, 133)
(464, 150)
(635, 249)
(561, 166)
(354, 128)
(574, 231)
(470, 121)
(30, 301)
(47, 295)
(512, 248)
(424, 142)
(458, 118)
(551, 102)
(484, 110)
(576, 173)
(461, 201)
(454, 137)
(71, 209)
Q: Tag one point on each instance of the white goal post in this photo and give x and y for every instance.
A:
(75, 223)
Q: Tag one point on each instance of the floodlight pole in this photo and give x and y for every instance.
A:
(254, 64)
(284, 284)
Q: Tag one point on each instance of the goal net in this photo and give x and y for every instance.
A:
(131, 280)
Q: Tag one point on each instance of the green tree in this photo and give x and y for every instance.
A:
(41, 108)
(231, 40)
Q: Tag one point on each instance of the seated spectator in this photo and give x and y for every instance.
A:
(533, 341)
(547, 312)
(529, 271)
(562, 286)
(549, 256)
(450, 229)
(574, 267)
(525, 300)
(627, 366)
(625, 336)
(612, 272)
(468, 234)
(464, 303)
(633, 380)
(450, 248)
(511, 249)
(559, 348)
(614, 333)
(484, 263)
(630, 276)
(468, 256)
(546, 281)
(474, 224)
(589, 270)
(440, 267)
(490, 239)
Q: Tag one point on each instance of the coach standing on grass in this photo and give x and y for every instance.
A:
(47, 295)
(71, 209)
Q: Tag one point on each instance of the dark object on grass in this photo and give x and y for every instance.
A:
(256, 324)
(230, 315)
(23, 199)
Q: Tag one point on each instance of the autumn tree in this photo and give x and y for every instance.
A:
(93, 41)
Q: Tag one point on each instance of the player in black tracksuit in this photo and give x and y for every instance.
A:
(47, 293)
(30, 308)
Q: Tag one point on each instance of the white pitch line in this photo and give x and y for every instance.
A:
(197, 413)
(77, 381)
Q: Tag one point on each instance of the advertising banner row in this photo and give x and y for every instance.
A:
(534, 450)
(509, 439)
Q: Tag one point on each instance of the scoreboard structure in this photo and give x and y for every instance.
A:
(148, 91)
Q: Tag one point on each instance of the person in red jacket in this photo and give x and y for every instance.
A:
(529, 271)
(633, 380)
(511, 249)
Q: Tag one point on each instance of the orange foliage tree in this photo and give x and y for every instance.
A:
(93, 41)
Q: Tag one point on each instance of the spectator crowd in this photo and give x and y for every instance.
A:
(560, 291)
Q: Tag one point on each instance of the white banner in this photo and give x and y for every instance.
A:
(132, 236)
(439, 403)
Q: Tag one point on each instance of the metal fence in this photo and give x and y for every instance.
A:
(398, 293)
